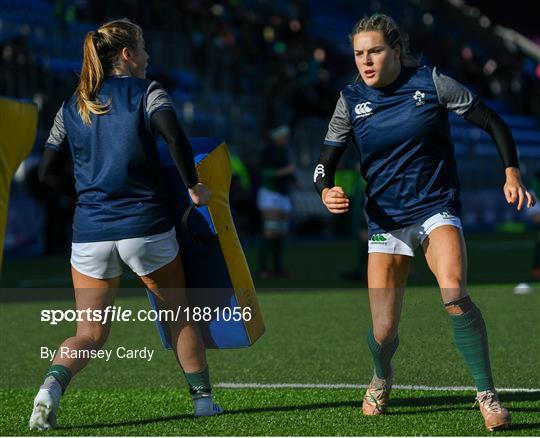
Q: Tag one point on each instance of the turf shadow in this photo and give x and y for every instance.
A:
(442, 400)
(312, 406)
(524, 426)
(427, 401)
(308, 407)
(127, 422)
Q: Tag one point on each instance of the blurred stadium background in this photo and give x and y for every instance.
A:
(238, 68)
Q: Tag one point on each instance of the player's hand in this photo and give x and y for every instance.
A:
(515, 191)
(335, 200)
(200, 194)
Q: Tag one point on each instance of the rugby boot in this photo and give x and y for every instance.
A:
(377, 396)
(495, 415)
(46, 406)
(204, 405)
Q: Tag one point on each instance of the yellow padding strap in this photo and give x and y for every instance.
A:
(214, 174)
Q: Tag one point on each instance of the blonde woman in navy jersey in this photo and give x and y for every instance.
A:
(110, 125)
(397, 115)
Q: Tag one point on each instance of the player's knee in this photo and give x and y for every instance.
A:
(451, 280)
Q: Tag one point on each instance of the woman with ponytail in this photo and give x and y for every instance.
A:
(110, 124)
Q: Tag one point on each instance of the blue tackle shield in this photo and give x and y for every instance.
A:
(217, 273)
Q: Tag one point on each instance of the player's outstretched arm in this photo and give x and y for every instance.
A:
(333, 197)
(166, 124)
(487, 119)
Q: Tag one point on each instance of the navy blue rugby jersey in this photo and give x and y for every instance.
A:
(402, 133)
(120, 193)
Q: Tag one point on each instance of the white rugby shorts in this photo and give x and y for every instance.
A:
(143, 255)
(404, 241)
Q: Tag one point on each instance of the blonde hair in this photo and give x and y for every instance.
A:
(101, 49)
(390, 31)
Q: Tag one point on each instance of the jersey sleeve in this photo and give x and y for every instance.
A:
(339, 127)
(453, 95)
(157, 99)
(57, 134)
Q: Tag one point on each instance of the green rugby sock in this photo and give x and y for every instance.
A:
(62, 374)
(199, 382)
(382, 354)
(470, 336)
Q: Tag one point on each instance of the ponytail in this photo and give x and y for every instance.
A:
(90, 81)
(101, 49)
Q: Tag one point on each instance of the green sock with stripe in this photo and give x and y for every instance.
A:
(470, 336)
(199, 383)
(382, 354)
(62, 374)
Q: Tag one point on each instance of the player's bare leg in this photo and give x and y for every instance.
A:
(387, 277)
(168, 285)
(446, 256)
(93, 294)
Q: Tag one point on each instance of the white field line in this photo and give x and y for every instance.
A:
(355, 386)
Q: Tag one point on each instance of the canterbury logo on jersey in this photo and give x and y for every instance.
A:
(319, 171)
(363, 109)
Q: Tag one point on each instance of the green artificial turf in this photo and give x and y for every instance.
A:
(312, 337)
(265, 412)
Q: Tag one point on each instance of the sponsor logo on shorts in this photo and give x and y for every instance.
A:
(378, 239)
